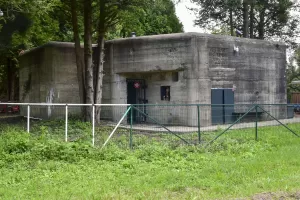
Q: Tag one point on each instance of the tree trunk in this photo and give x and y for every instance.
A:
(100, 74)
(16, 87)
(9, 78)
(13, 81)
(13, 78)
(78, 54)
(88, 57)
(261, 24)
(252, 19)
(231, 22)
(100, 60)
(245, 19)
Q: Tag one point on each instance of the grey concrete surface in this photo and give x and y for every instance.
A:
(202, 61)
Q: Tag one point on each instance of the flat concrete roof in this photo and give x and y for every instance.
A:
(195, 34)
(161, 37)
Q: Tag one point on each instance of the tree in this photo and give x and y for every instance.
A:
(158, 17)
(107, 15)
(252, 4)
(245, 18)
(217, 13)
(265, 19)
(25, 24)
(293, 74)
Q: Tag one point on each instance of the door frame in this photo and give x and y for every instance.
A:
(140, 101)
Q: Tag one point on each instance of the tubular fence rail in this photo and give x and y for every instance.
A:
(133, 125)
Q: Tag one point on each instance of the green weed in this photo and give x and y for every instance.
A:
(40, 165)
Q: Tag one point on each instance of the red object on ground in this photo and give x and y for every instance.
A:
(9, 109)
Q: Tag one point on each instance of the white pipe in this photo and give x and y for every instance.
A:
(66, 128)
(28, 118)
(115, 128)
(72, 104)
(60, 104)
(93, 130)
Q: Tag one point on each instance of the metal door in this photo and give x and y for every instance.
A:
(136, 94)
(228, 108)
(220, 113)
(217, 111)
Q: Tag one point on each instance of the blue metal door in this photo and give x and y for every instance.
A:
(229, 108)
(222, 114)
(217, 111)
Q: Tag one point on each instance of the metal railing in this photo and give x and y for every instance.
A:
(146, 123)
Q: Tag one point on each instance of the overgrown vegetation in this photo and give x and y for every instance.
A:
(41, 166)
(31, 23)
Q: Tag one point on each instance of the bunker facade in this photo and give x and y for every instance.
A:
(185, 68)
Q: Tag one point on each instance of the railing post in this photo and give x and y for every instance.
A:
(28, 118)
(256, 119)
(130, 136)
(66, 127)
(93, 124)
(199, 121)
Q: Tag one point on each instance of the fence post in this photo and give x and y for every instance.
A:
(28, 118)
(66, 128)
(130, 135)
(199, 121)
(93, 124)
(256, 119)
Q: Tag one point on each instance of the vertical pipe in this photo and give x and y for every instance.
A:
(130, 136)
(28, 118)
(66, 128)
(256, 119)
(93, 130)
(199, 133)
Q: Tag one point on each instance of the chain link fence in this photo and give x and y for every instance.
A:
(130, 126)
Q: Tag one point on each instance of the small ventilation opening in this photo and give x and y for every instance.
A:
(175, 76)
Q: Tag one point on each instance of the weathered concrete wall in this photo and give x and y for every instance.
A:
(202, 61)
(152, 59)
(33, 77)
(48, 74)
(257, 70)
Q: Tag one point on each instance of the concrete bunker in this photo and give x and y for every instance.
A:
(164, 70)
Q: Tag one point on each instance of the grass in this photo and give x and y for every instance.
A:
(40, 166)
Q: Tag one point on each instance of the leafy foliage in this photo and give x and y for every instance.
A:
(235, 166)
(271, 18)
(293, 74)
(157, 18)
(27, 24)
(31, 23)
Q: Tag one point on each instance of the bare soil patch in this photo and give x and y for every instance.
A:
(276, 196)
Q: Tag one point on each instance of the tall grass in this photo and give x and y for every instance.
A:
(41, 166)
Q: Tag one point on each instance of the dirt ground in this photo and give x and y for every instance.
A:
(276, 196)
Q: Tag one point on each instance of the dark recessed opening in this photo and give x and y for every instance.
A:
(175, 76)
(165, 93)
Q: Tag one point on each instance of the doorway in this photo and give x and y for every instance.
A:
(220, 113)
(136, 94)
